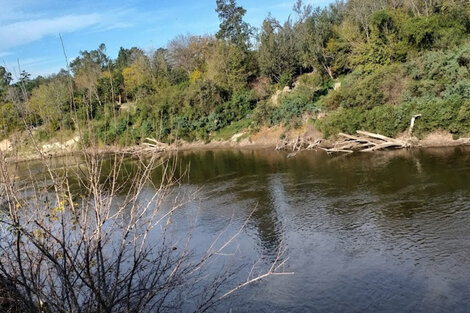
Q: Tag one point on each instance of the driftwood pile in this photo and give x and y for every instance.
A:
(298, 144)
(366, 142)
(152, 146)
(155, 145)
(363, 142)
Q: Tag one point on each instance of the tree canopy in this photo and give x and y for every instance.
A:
(392, 58)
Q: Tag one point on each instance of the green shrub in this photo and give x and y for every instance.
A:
(449, 114)
(285, 80)
(387, 120)
(385, 85)
(147, 129)
(239, 106)
(314, 79)
(9, 118)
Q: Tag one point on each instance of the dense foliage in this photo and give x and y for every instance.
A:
(393, 59)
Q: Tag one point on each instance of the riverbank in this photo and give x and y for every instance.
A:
(265, 138)
(354, 225)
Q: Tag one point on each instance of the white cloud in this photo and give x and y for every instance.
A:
(20, 33)
(22, 27)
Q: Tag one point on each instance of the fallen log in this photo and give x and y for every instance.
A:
(365, 142)
(381, 146)
(355, 138)
(156, 142)
(154, 145)
(377, 136)
(335, 150)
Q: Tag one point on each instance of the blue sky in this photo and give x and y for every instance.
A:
(29, 29)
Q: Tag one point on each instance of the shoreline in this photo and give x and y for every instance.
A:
(137, 149)
(435, 140)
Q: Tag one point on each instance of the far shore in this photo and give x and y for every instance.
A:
(263, 140)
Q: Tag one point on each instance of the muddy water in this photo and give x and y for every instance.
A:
(384, 232)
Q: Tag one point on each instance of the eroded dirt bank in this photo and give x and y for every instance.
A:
(265, 138)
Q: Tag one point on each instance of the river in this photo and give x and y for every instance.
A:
(382, 232)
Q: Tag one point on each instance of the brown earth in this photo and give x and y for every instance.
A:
(5, 145)
(442, 139)
(264, 138)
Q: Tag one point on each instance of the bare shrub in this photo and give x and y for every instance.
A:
(90, 238)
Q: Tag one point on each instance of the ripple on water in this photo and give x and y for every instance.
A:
(384, 234)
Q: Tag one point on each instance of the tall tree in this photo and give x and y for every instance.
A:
(127, 56)
(232, 26)
(138, 77)
(24, 77)
(160, 68)
(228, 66)
(49, 101)
(189, 52)
(277, 54)
(318, 30)
(5, 80)
(360, 12)
(87, 69)
(234, 45)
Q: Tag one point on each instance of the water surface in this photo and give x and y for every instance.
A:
(383, 232)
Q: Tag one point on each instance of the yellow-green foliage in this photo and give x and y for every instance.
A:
(48, 101)
(392, 62)
(435, 84)
(9, 119)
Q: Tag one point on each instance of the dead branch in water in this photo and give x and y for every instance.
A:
(147, 148)
(155, 145)
(365, 142)
(298, 144)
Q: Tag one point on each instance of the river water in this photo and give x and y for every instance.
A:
(382, 232)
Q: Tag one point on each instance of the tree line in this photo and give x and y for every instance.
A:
(393, 58)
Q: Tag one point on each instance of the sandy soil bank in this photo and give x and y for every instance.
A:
(266, 138)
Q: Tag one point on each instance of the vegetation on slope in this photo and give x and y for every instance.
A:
(393, 58)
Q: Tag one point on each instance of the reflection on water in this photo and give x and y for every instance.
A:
(386, 232)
